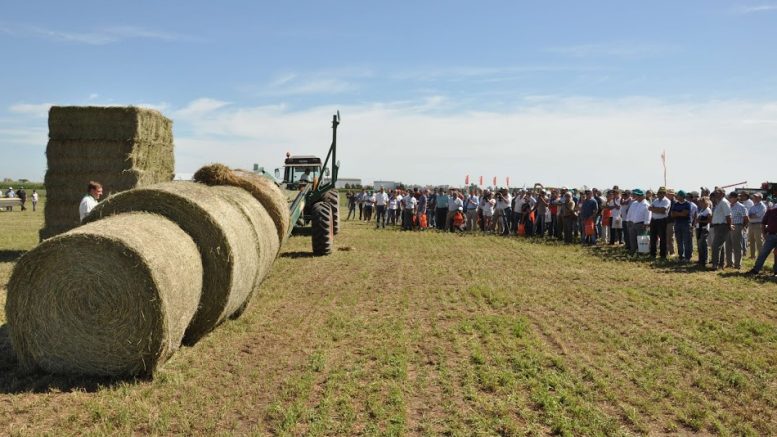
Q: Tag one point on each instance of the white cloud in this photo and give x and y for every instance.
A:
(617, 50)
(33, 109)
(200, 107)
(757, 8)
(554, 140)
(101, 36)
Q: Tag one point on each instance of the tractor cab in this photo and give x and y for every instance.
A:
(300, 170)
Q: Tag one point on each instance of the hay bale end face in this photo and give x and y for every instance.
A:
(105, 299)
(262, 188)
(219, 229)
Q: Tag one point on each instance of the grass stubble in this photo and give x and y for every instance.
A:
(431, 333)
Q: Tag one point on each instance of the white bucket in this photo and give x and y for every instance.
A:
(643, 244)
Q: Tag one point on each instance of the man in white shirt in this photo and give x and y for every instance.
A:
(381, 201)
(409, 204)
(638, 218)
(660, 210)
(756, 214)
(454, 203)
(94, 191)
(722, 225)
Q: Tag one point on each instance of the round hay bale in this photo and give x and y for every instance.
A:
(106, 298)
(262, 188)
(263, 239)
(220, 231)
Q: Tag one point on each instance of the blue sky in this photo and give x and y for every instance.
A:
(563, 93)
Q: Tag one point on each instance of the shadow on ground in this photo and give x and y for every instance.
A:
(10, 255)
(14, 380)
(298, 254)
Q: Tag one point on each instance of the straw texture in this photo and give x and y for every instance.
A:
(105, 299)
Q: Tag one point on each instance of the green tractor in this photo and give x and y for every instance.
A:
(310, 188)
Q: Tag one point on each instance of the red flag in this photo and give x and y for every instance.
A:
(481, 180)
(508, 180)
(494, 181)
(466, 180)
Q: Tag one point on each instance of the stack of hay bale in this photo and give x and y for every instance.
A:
(152, 267)
(119, 147)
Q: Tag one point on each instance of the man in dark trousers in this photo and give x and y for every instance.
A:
(23, 197)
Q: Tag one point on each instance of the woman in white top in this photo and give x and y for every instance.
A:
(489, 205)
(616, 221)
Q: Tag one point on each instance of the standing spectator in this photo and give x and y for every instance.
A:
(408, 211)
(755, 216)
(681, 214)
(588, 215)
(747, 202)
(703, 220)
(568, 216)
(488, 207)
(94, 191)
(639, 218)
(381, 202)
(670, 243)
(34, 200)
(454, 203)
(471, 209)
(421, 207)
(660, 210)
(721, 225)
(626, 201)
(553, 206)
(393, 207)
(23, 197)
(431, 207)
(739, 220)
(599, 216)
(616, 221)
(769, 231)
(351, 205)
(542, 210)
(369, 201)
(442, 209)
(360, 199)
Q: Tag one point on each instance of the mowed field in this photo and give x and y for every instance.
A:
(432, 333)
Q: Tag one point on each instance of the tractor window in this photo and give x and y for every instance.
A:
(294, 174)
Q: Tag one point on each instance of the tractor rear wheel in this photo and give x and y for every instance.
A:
(333, 197)
(322, 228)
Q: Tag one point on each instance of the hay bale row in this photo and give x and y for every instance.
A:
(109, 123)
(120, 147)
(108, 156)
(232, 255)
(263, 189)
(105, 299)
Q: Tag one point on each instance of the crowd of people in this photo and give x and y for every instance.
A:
(659, 224)
(21, 194)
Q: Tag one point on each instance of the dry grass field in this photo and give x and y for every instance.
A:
(432, 333)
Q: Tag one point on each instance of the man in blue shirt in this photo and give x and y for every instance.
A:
(442, 209)
(681, 213)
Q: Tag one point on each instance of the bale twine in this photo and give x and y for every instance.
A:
(105, 299)
(262, 188)
(264, 239)
(220, 231)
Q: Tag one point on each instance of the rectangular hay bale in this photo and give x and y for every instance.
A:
(109, 123)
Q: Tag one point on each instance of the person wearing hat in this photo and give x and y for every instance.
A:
(739, 219)
(659, 208)
(681, 214)
(638, 218)
(721, 227)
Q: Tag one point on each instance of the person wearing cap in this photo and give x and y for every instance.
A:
(681, 213)
(638, 218)
(721, 226)
(659, 208)
(755, 215)
(739, 219)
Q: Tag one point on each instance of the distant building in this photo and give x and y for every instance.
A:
(389, 185)
(351, 182)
